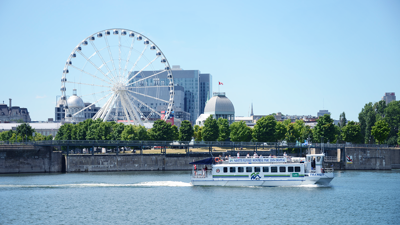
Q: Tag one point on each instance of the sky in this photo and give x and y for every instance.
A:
(294, 57)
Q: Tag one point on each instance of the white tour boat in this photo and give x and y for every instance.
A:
(261, 171)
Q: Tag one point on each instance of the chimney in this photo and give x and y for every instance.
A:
(10, 103)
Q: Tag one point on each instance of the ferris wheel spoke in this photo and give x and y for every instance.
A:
(149, 87)
(132, 115)
(129, 56)
(147, 106)
(94, 76)
(99, 113)
(93, 64)
(137, 60)
(88, 84)
(146, 78)
(110, 108)
(101, 58)
(119, 54)
(109, 52)
(128, 116)
(131, 110)
(90, 105)
(105, 108)
(148, 96)
(142, 69)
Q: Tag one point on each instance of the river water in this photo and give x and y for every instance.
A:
(362, 197)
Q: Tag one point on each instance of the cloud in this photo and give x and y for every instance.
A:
(37, 96)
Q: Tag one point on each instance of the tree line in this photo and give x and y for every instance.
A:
(378, 123)
(24, 132)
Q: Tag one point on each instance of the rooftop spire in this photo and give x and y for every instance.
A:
(251, 113)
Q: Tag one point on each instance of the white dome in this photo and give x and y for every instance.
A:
(219, 104)
(75, 102)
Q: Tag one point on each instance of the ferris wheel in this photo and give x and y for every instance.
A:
(122, 71)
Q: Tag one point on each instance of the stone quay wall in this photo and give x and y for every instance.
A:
(131, 162)
(35, 159)
(29, 159)
(372, 158)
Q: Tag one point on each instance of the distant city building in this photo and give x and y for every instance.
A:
(322, 113)
(219, 106)
(75, 104)
(195, 86)
(388, 97)
(13, 113)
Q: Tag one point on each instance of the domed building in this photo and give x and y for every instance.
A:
(74, 105)
(219, 106)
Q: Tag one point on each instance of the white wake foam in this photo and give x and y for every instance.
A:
(83, 185)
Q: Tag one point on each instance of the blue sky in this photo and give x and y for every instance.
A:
(294, 57)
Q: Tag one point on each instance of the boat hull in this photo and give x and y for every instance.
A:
(313, 180)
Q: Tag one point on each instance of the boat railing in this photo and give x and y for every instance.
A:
(328, 170)
(201, 173)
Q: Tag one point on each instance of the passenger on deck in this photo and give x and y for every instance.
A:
(226, 158)
(255, 155)
(247, 156)
(261, 156)
(238, 155)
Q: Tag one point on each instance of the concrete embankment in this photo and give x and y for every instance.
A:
(35, 159)
(29, 159)
(131, 162)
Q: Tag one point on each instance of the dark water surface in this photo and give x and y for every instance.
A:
(354, 197)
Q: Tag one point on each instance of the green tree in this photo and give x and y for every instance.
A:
(117, 130)
(129, 133)
(292, 133)
(186, 131)
(65, 132)
(299, 126)
(342, 120)
(93, 132)
(264, 130)
(352, 132)
(6, 135)
(25, 131)
(210, 130)
(392, 117)
(141, 133)
(325, 129)
(287, 122)
(280, 131)
(367, 119)
(240, 132)
(39, 137)
(398, 139)
(379, 108)
(49, 137)
(224, 131)
(197, 133)
(380, 131)
(175, 132)
(306, 133)
(161, 131)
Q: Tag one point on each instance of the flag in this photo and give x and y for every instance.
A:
(220, 83)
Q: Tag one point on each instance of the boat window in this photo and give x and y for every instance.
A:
(240, 169)
(274, 169)
(249, 169)
(297, 169)
(282, 169)
(225, 169)
(256, 169)
(265, 169)
(290, 169)
(232, 169)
